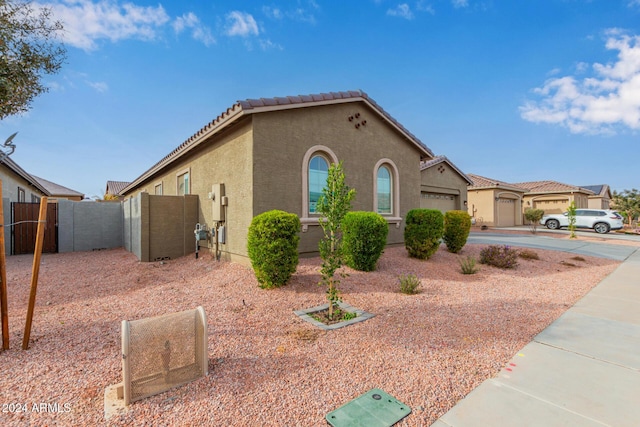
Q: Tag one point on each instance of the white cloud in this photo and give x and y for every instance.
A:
(269, 45)
(604, 103)
(460, 3)
(273, 12)
(86, 22)
(633, 3)
(423, 6)
(99, 86)
(199, 31)
(241, 24)
(402, 10)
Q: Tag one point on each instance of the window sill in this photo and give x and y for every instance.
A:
(315, 221)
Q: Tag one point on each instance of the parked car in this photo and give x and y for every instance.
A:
(600, 220)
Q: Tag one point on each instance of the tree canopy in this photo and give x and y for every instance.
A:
(627, 202)
(29, 48)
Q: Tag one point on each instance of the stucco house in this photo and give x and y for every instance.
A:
(274, 153)
(553, 196)
(114, 189)
(495, 203)
(57, 191)
(601, 198)
(442, 185)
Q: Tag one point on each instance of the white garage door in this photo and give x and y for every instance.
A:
(506, 212)
(444, 202)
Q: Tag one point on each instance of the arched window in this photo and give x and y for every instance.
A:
(318, 173)
(384, 191)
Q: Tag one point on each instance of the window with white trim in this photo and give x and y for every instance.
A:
(158, 189)
(183, 184)
(21, 195)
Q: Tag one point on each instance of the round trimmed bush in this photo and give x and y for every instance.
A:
(272, 244)
(457, 225)
(423, 232)
(364, 236)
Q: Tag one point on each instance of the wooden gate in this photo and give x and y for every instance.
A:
(24, 220)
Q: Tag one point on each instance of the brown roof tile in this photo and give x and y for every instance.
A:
(551, 187)
(249, 106)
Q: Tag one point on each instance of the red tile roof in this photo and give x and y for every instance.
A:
(551, 186)
(484, 182)
(116, 187)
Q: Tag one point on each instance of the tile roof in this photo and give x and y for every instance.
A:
(254, 106)
(443, 159)
(551, 186)
(13, 166)
(56, 189)
(484, 182)
(116, 187)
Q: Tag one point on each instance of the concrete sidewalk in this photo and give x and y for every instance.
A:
(582, 370)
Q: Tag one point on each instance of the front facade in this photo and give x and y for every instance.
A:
(274, 153)
(442, 185)
(495, 203)
(601, 198)
(554, 197)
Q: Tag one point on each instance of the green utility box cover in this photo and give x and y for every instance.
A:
(375, 408)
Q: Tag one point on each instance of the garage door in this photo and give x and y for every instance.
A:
(444, 202)
(506, 212)
(551, 206)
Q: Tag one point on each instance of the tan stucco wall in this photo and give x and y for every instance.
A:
(226, 160)
(10, 183)
(556, 202)
(443, 179)
(481, 206)
(283, 138)
(598, 202)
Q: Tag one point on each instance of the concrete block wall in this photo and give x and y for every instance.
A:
(85, 226)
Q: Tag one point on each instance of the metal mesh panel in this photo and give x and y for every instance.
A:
(163, 352)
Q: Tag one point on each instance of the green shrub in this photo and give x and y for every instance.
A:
(501, 256)
(409, 284)
(272, 244)
(533, 216)
(457, 225)
(364, 236)
(468, 265)
(423, 232)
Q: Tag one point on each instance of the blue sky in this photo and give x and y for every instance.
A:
(518, 91)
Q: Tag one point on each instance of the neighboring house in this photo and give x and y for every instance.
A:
(274, 153)
(553, 196)
(18, 185)
(495, 203)
(114, 189)
(443, 185)
(57, 191)
(601, 198)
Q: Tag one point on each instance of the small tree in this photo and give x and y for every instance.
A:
(571, 214)
(333, 205)
(533, 216)
(627, 202)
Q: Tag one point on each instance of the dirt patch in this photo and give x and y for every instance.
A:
(268, 367)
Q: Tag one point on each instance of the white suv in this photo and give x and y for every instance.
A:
(600, 220)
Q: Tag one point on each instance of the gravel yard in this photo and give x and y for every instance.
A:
(267, 367)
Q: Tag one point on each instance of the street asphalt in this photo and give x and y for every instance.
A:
(582, 370)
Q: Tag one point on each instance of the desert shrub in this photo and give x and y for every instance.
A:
(272, 244)
(533, 216)
(423, 232)
(364, 236)
(409, 284)
(468, 265)
(457, 225)
(528, 254)
(501, 256)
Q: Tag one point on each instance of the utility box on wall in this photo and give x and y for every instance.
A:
(218, 201)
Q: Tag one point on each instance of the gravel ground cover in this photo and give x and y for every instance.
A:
(267, 366)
